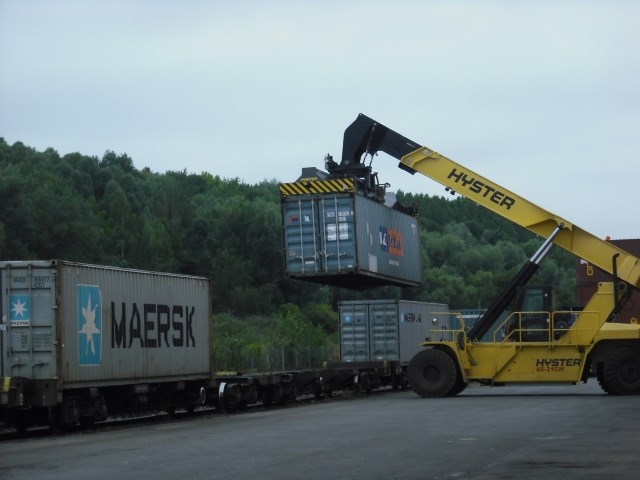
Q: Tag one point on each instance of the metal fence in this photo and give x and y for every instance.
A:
(279, 359)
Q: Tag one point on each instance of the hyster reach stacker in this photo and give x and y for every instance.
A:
(552, 351)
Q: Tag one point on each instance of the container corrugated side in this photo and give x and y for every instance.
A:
(349, 240)
(388, 242)
(416, 325)
(110, 325)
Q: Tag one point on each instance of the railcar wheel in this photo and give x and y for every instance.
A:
(21, 422)
(621, 372)
(267, 397)
(363, 384)
(432, 373)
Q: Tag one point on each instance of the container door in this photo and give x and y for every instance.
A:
(383, 323)
(338, 233)
(319, 234)
(301, 236)
(28, 312)
(354, 332)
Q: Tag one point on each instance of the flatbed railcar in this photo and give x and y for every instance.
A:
(80, 343)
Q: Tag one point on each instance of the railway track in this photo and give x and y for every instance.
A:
(8, 434)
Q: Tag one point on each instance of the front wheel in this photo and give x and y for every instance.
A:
(432, 373)
(620, 374)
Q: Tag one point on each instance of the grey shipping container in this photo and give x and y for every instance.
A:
(375, 330)
(349, 240)
(81, 326)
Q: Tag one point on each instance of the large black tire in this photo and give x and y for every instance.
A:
(432, 373)
(601, 378)
(459, 386)
(620, 374)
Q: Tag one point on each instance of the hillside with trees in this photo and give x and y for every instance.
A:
(105, 211)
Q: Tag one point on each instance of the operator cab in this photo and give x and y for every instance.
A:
(534, 314)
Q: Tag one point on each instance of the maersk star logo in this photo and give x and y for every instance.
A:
(89, 314)
(20, 310)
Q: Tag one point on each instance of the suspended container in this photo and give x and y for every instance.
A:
(335, 235)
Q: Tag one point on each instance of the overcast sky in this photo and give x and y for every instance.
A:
(541, 97)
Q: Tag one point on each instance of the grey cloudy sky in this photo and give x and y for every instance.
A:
(541, 97)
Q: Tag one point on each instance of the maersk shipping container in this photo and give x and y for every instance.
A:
(375, 330)
(83, 326)
(347, 239)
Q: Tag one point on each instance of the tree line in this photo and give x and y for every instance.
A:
(106, 211)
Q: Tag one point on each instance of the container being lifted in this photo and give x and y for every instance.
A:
(344, 230)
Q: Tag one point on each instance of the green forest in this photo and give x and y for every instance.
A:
(106, 211)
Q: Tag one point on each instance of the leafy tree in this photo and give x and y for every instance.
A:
(322, 315)
(233, 342)
(106, 211)
(3, 238)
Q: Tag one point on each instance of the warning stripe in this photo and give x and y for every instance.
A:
(307, 187)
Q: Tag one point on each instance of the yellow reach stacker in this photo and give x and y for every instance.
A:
(564, 347)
